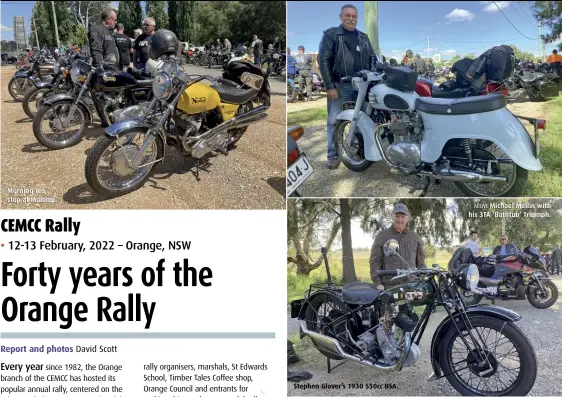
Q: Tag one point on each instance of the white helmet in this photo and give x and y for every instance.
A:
(153, 66)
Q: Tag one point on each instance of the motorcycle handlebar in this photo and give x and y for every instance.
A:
(386, 273)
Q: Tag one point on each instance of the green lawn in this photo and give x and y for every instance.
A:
(308, 117)
(547, 182)
(297, 285)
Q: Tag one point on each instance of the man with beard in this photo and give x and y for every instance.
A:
(101, 40)
(143, 43)
(410, 249)
(343, 52)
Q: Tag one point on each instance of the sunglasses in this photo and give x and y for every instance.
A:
(146, 24)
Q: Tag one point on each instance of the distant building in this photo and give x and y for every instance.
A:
(11, 46)
(19, 32)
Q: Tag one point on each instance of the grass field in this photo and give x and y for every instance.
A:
(298, 285)
(547, 182)
(307, 117)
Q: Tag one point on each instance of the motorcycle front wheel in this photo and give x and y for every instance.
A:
(48, 125)
(511, 365)
(107, 171)
(33, 100)
(17, 87)
(352, 156)
(540, 300)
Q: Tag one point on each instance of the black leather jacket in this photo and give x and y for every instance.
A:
(336, 59)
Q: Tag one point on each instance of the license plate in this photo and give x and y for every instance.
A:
(297, 173)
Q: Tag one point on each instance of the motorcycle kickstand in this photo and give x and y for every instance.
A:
(426, 186)
(329, 368)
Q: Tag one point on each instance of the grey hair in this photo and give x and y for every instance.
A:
(348, 6)
(106, 13)
(151, 20)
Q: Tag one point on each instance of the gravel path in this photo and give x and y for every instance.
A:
(542, 327)
(251, 177)
(378, 180)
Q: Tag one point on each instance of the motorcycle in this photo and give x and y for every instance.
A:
(515, 276)
(39, 70)
(61, 82)
(460, 140)
(425, 87)
(538, 86)
(298, 166)
(106, 88)
(382, 330)
(185, 113)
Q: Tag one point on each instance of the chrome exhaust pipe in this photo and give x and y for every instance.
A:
(236, 122)
(464, 176)
(331, 345)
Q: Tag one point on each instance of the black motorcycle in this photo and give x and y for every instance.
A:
(110, 90)
(477, 349)
(41, 67)
(61, 82)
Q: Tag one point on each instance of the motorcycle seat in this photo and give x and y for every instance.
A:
(437, 92)
(460, 106)
(359, 293)
(144, 83)
(531, 77)
(507, 258)
(234, 95)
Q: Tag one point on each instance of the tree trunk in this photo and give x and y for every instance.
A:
(348, 270)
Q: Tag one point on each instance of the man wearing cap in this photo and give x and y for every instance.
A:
(410, 249)
(303, 64)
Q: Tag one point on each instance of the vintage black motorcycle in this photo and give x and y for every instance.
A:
(477, 349)
(110, 90)
(41, 67)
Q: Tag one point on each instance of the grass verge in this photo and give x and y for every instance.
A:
(307, 117)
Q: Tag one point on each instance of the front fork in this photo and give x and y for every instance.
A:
(359, 103)
(68, 118)
(540, 285)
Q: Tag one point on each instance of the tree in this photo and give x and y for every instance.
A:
(84, 12)
(138, 11)
(455, 58)
(518, 54)
(44, 19)
(79, 36)
(126, 16)
(470, 56)
(157, 10)
(173, 16)
(548, 13)
(4, 46)
(348, 270)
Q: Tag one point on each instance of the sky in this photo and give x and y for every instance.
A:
(462, 27)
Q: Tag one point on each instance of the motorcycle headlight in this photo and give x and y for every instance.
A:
(162, 85)
(77, 74)
(467, 277)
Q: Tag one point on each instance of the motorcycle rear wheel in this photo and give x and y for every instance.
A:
(31, 97)
(533, 299)
(357, 164)
(526, 377)
(18, 88)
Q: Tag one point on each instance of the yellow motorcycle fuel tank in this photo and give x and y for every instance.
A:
(198, 98)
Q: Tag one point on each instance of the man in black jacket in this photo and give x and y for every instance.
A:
(343, 51)
(125, 46)
(505, 248)
(101, 40)
(556, 260)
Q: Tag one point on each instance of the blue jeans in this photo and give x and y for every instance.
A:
(257, 60)
(334, 106)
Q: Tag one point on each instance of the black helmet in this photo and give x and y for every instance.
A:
(163, 42)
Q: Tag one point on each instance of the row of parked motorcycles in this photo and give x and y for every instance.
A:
(144, 112)
(477, 348)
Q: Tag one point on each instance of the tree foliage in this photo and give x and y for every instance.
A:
(519, 54)
(203, 22)
(548, 13)
(45, 22)
(127, 15)
(84, 12)
(157, 10)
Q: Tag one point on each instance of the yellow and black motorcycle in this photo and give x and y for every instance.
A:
(186, 112)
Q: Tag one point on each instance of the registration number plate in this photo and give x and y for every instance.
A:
(297, 173)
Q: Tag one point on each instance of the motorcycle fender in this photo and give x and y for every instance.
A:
(500, 127)
(67, 97)
(367, 129)
(114, 130)
(475, 311)
(22, 74)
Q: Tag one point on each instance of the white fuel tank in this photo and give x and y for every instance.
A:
(386, 98)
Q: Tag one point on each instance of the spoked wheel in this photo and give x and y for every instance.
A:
(33, 100)
(52, 128)
(351, 155)
(491, 160)
(291, 94)
(503, 364)
(108, 171)
(18, 87)
(322, 311)
(540, 299)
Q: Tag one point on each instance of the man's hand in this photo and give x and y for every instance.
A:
(381, 287)
(332, 93)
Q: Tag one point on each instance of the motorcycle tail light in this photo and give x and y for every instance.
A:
(540, 124)
(292, 156)
(296, 133)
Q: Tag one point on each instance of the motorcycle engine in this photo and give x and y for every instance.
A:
(112, 103)
(508, 285)
(406, 129)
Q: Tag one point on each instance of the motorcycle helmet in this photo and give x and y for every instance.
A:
(164, 42)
